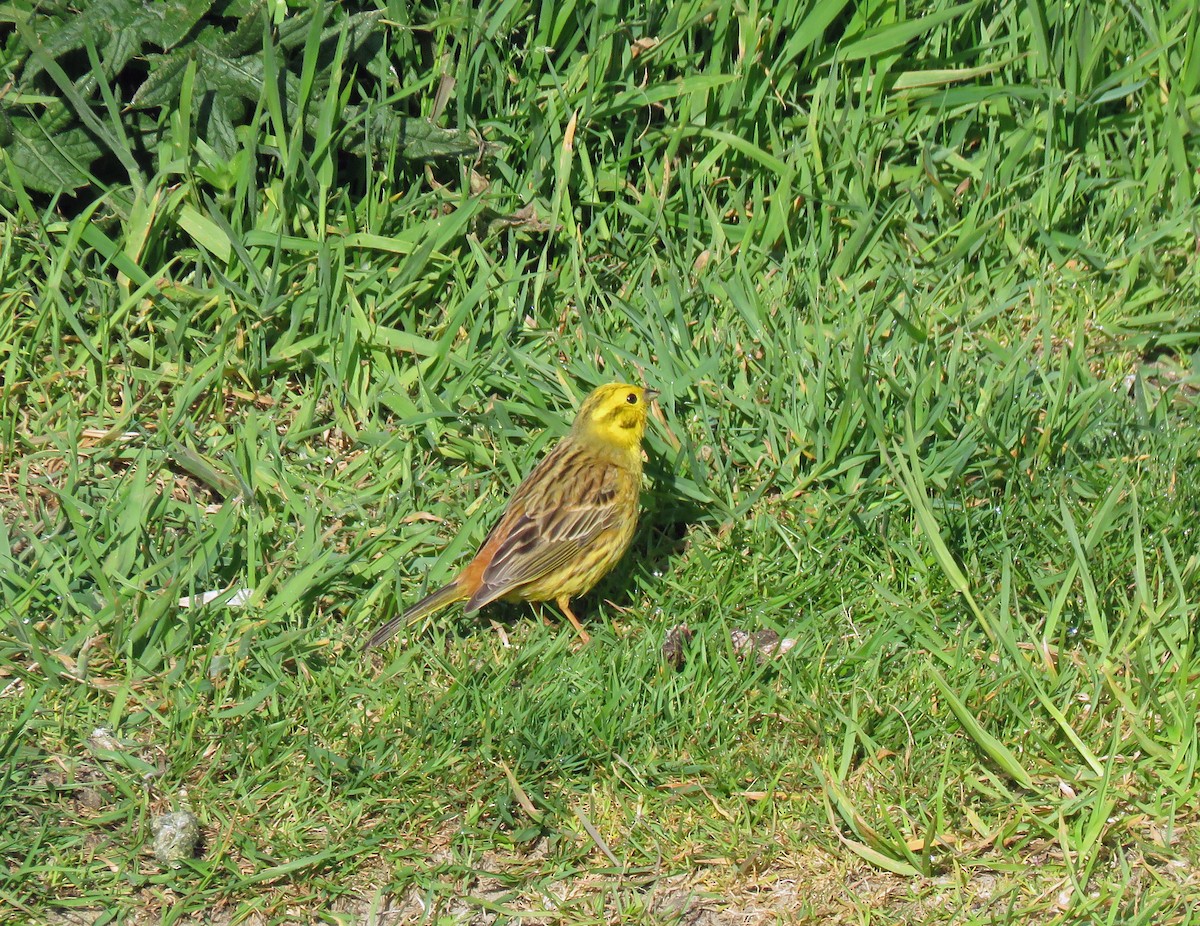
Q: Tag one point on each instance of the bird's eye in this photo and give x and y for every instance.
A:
(631, 398)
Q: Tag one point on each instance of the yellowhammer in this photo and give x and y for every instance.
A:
(567, 524)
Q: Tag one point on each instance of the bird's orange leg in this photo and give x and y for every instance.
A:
(564, 605)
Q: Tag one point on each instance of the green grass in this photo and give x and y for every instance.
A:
(919, 287)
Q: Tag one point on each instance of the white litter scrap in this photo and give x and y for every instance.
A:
(236, 600)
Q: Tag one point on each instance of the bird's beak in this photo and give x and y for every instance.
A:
(651, 394)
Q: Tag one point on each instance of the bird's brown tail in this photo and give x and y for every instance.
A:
(432, 602)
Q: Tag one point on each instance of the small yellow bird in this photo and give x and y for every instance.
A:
(567, 524)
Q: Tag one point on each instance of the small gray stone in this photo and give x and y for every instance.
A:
(764, 644)
(176, 836)
(674, 648)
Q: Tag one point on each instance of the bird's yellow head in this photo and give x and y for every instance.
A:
(614, 417)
